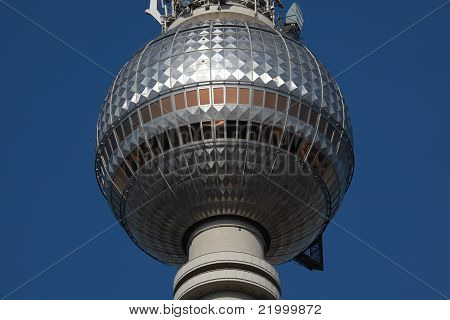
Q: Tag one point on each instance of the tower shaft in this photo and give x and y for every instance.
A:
(226, 261)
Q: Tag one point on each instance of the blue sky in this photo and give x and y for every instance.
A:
(399, 99)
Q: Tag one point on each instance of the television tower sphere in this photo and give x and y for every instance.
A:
(224, 147)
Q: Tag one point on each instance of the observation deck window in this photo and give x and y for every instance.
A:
(258, 97)
(304, 150)
(125, 169)
(138, 157)
(313, 118)
(145, 114)
(121, 180)
(266, 130)
(218, 95)
(207, 130)
(126, 127)
(242, 130)
(185, 136)
(166, 105)
(231, 129)
(231, 95)
(135, 123)
(191, 97)
(281, 103)
(131, 162)
(255, 130)
(112, 141)
(270, 100)
(145, 151)
(220, 129)
(108, 149)
(196, 132)
(329, 132)
(322, 125)
(164, 141)
(119, 133)
(179, 101)
(294, 108)
(276, 136)
(154, 146)
(204, 96)
(304, 113)
(155, 109)
(296, 144)
(287, 139)
(173, 137)
(244, 96)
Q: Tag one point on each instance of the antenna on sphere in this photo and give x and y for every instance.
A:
(293, 21)
(153, 11)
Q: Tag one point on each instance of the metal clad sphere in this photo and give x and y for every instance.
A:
(224, 117)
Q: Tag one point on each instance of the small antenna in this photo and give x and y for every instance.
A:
(294, 21)
(295, 16)
(153, 11)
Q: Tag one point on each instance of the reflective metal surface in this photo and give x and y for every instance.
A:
(223, 50)
(225, 117)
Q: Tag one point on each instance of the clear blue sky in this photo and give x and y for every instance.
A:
(399, 99)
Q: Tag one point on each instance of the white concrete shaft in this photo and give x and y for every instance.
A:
(226, 234)
(226, 261)
(227, 295)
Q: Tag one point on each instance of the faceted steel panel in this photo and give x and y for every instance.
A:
(160, 182)
(207, 180)
(222, 50)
